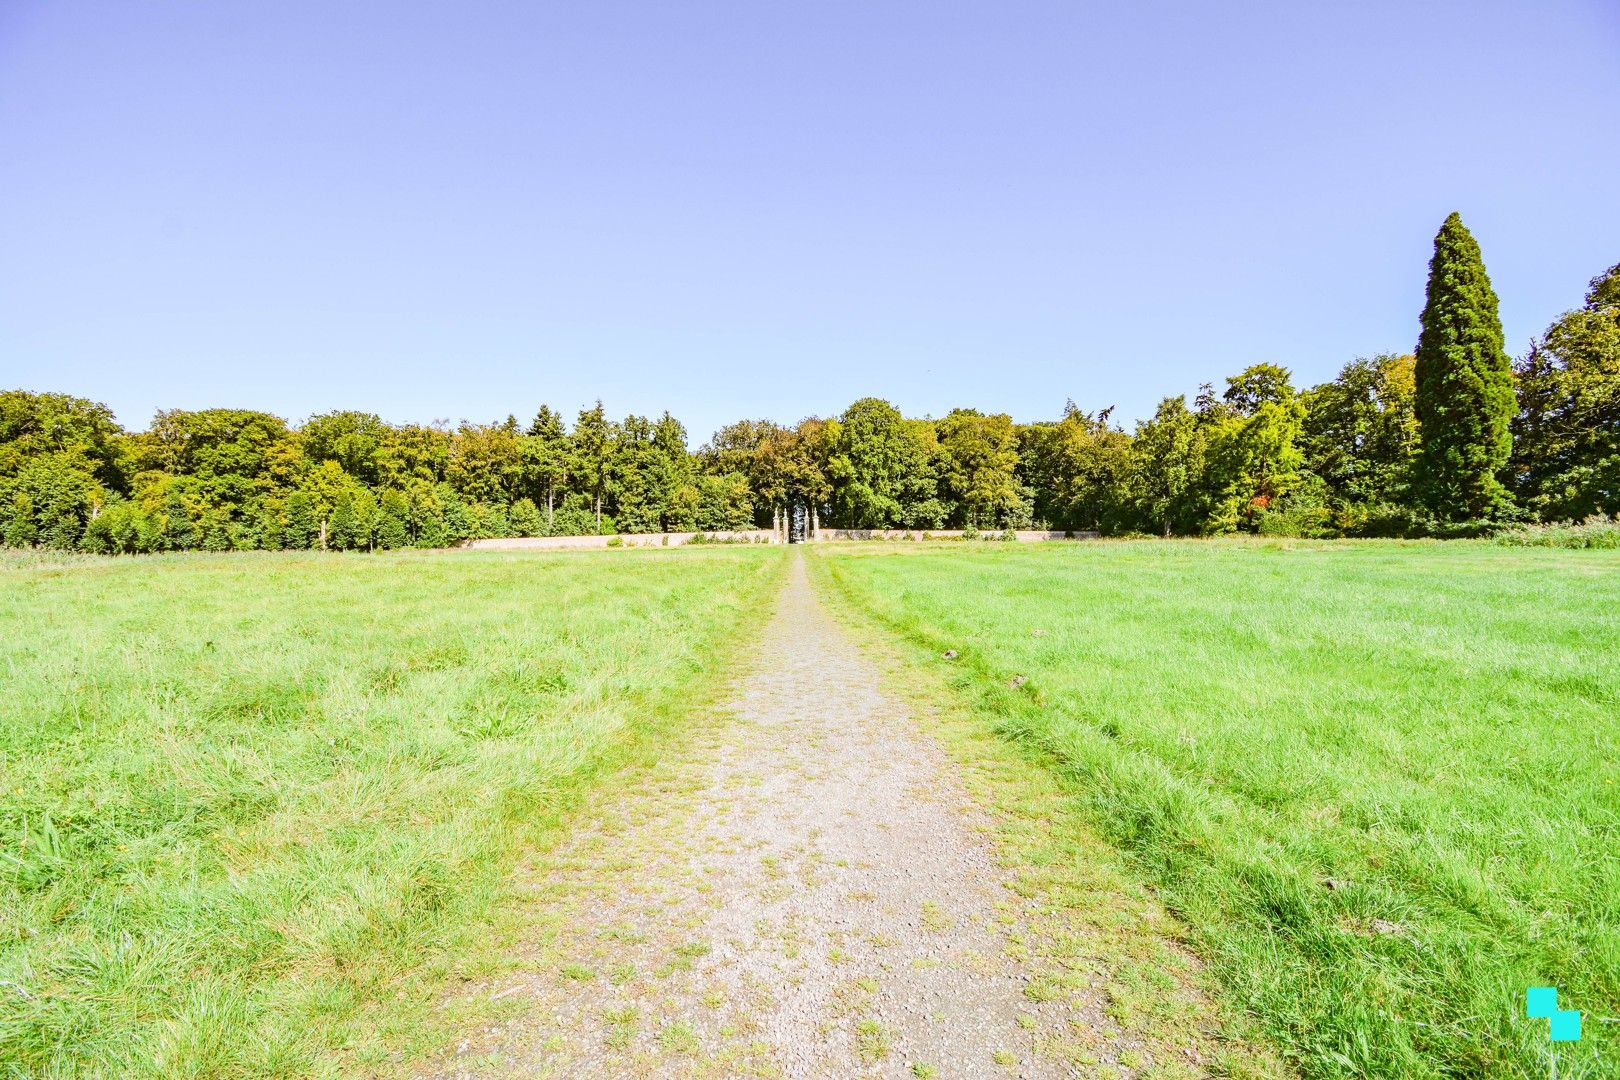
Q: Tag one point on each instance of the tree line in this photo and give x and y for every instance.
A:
(1450, 440)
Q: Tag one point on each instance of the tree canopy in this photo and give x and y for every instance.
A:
(1433, 443)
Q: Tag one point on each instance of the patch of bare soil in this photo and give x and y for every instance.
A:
(807, 892)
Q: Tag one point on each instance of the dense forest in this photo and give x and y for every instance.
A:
(1449, 440)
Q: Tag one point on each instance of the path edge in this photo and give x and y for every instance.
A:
(1020, 796)
(439, 1005)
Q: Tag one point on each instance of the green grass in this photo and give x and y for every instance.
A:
(1380, 782)
(256, 809)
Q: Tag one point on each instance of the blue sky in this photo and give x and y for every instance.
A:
(460, 210)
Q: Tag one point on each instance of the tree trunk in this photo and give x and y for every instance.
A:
(598, 513)
(551, 489)
(323, 534)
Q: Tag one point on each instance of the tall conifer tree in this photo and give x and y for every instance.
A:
(1464, 383)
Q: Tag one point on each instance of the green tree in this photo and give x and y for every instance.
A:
(525, 519)
(229, 455)
(351, 439)
(63, 493)
(870, 461)
(303, 529)
(410, 454)
(1077, 470)
(179, 528)
(810, 447)
(83, 432)
(21, 532)
(979, 461)
(724, 502)
(122, 528)
(652, 475)
(1566, 437)
(268, 523)
(923, 503)
(1360, 433)
(458, 524)
(545, 458)
(391, 532)
(486, 462)
(1167, 465)
(593, 445)
(1253, 457)
(367, 518)
(770, 463)
(1464, 399)
(215, 534)
(326, 483)
(344, 530)
(732, 448)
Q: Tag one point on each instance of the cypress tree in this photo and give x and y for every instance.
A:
(1464, 383)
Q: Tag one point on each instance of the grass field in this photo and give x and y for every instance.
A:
(1379, 781)
(245, 801)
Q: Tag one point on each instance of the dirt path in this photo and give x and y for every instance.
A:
(807, 893)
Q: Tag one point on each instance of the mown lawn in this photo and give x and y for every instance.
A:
(247, 800)
(1379, 781)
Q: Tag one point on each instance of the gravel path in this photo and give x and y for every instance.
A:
(805, 893)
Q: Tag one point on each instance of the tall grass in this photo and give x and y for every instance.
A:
(245, 800)
(1380, 781)
(1595, 532)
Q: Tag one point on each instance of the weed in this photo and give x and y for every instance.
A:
(872, 1040)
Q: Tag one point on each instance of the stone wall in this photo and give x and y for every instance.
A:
(1024, 535)
(754, 536)
(545, 543)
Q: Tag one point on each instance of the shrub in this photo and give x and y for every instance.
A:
(121, 529)
(615, 541)
(1304, 522)
(20, 531)
(1378, 520)
(1009, 536)
(1597, 531)
(706, 538)
(1389, 521)
(524, 519)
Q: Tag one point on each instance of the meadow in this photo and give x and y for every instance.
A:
(247, 800)
(1376, 780)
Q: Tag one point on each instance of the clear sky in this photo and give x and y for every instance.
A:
(464, 209)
